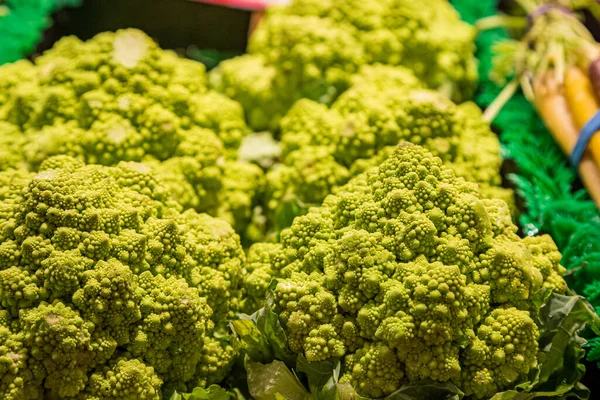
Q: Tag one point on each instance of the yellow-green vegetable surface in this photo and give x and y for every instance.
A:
(119, 97)
(310, 49)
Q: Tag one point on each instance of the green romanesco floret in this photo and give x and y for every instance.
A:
(505, 344)
(243, 184)
(254, 89)
(310, 49)
(108, 289)
(380, 76)
(173, 322)
(12, 142)
(119, 97)
(259, 269)
(290, 57)
(314, 56)
(62, 342)
(373, 370)
(324, 147)
(304, 179)
(21, 375)
(217, 358)
(546, 258)
(123, 379)
(407, 273)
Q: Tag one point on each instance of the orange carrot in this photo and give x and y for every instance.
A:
(552, 106)
(583, 105)
(594, 74)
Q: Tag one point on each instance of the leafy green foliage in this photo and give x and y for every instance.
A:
(213, 392)
(22, 23)
(560, 371)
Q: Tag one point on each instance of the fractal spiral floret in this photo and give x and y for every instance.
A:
(408, 273)
(323, 148)
(107, 289)
(119, 97)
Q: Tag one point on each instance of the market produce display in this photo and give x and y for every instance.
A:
(310, 49)
(119, 97)
(22, 23)
(153, 247)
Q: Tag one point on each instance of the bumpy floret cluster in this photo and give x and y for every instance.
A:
(309, 49)
(324, 147)
(408, 273)
(119, 97)
(107, 289)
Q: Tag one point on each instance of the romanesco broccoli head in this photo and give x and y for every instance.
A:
(106, 287)
(400, 268)
(384, 106)
(254, 89)
(291, 57)
(314, 56)
(310, 49)
(119, 97)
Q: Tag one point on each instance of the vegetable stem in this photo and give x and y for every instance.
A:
(501, 21)
(491, 112)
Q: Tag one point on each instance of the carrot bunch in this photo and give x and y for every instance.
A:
(556, 62)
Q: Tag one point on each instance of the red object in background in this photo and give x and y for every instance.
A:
(250, 5)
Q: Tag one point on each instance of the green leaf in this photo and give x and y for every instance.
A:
(332, 390)
(274, 381)
(560, 369)
(427, 389)
(345, 391)
(285, 213)
(213, 392)
(317, 372)
(269, 325)
(578, 392)
(541, 297)
(251, 339)
(261, 334)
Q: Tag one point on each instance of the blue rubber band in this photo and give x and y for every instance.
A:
(590, 128)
